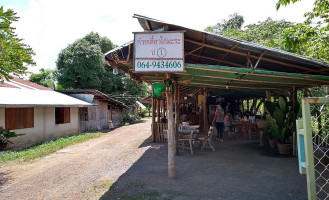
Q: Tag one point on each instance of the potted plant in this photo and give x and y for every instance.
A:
(280, 119)
(262, 125)
(5, 134)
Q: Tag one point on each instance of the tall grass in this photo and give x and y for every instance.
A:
(45, 148)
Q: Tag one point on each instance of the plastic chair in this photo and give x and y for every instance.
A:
(207, 140)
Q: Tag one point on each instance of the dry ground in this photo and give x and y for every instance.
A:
(82, 171)
(124, 164)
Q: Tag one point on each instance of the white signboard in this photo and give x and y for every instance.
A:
(159, 52)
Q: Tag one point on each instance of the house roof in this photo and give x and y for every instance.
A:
(97, 94)
(215, 62)
(23, 84)
(16, 97)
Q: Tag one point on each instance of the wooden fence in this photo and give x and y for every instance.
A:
(158, 133)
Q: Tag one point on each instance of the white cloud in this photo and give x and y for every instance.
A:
(49, 26)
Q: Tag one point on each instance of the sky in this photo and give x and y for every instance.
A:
(49, 26)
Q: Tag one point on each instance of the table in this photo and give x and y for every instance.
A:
(186, 138)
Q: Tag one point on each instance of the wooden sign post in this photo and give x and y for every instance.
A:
(171, 136)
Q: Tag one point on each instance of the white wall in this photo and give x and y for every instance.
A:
(44, 127)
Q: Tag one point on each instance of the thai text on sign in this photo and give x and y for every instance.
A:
(159, 52)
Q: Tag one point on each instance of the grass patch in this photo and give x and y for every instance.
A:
(45, 148)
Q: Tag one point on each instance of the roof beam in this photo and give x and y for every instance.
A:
(214, 59)
(193, 51)
(232, 48)
(147, 23)
(244, 54)
(263, 75)
(247, 80)
(234, 87)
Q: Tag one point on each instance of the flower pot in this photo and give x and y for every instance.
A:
(3, 146)
(285, 149)
(261, 123)
(263, 140)
(272, 144)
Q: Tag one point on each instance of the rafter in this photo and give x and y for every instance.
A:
(233, 87)
(193, 51)
(247, 80)
(214, 59)
(264, 75)
(245, 55)
(226, 54)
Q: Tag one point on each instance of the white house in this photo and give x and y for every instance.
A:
(38, 112)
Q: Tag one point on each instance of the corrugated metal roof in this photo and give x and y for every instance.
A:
(15, 97)
(99, 95)
(242, 47)
(213, 61)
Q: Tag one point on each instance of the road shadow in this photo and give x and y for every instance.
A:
(236, 170)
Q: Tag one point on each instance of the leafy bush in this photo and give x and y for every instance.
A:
(5, 134)
(280, 119)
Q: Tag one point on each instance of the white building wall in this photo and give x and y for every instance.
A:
(44, 127)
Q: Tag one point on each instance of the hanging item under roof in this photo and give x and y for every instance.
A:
(115, 71)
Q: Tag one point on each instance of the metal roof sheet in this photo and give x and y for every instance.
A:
(214, 61)
(242, 46)
(15, 97)
(99, 95)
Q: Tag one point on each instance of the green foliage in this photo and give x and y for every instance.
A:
(128, 117)
(46, 148)
(234, 22)
(311, 37)
(14, 55)
(284, 3)
(5, 135)
(81, 66)
(268, 32)
(280, 119)
(46, 77)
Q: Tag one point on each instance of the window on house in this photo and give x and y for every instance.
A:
(62, 115)
(83, 114)
(19, 118)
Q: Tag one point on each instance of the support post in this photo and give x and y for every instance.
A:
(171, 136)
(310, 174)
(176, 114)
(205, 116)
(158, 110)
(153, 115)
(294, 104)
(248, 105)
(268, 96)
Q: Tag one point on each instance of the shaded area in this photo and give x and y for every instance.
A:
(238, 169)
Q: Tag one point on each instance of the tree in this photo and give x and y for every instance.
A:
(269, 32)
(310, 38)
(81, 66)
(46, 77)
(14, 55)
(234, 22)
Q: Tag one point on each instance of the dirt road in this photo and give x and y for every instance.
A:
(82, 171)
